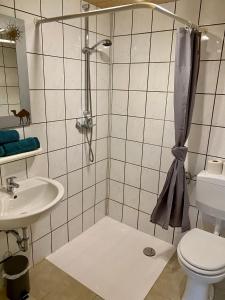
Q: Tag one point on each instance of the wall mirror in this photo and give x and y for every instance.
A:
(14, 85)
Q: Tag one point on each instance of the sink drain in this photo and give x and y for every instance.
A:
(148, 251)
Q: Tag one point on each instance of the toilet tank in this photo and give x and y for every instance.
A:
(210, 194)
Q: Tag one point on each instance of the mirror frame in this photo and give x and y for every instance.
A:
(22, 69)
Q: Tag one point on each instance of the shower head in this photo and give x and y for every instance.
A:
(105, 43)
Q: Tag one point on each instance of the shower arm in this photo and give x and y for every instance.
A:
(138, 5)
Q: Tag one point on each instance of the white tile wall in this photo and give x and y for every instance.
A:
(142, 108)
(55, 76)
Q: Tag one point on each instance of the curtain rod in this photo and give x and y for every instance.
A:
(138, 5)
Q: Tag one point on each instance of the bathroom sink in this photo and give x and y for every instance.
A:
(34, 197)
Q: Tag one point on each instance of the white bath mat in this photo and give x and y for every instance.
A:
(108, 258)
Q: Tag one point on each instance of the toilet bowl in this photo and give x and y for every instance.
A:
(202, 257)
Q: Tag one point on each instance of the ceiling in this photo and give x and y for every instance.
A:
(109, 3)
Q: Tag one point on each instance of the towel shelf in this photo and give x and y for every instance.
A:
(7, 159)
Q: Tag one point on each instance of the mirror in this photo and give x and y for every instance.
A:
(14, 86)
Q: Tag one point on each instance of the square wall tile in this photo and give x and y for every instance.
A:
(101, 149)
(130, 216)
(49, 11)
(88, 198)
(59, 237)
(207, 78)
(38, 130)
(221, 84)
(150, 180)
(135, 129)
(41, 227)
(74, 137)
(161, 46)
(120, 76)
(88, 218)
(55, 105)
(100, 211)
(142, 20)
(37, 166)
(156, 103)
(72, 74)
(56, 135)
(101, 170)
(170, 107)
(72, 7)
(158, 77)
(144, 224)
(102, 126)
(147, 202)
(169, 134)
(35, 71)
(162, 22)
(121, 49)
(216, 142)
(117, 149)
(137, 101)
(212, 12)
(75, 227)
(73, 104)
(198, 138)
(37, 102)
(88, 176)
(123, 22)
(138, 76)
(133, 152)
(74, 182)
(117, 170)
(153, 131)
(219, 111)
(116, 191)
(54, 73)
(41, 248)
(166, 159)
(119, 124)
(49, 47)
(74, 157)
(33, 6)
(131, 196)
(151, 156)
(59, 168)
(72, 42)
(140, 48)
(203, 108)
(59, 215)
(132, 175)
(102, 76)
(188, 9)
(115, 210)
(119, 102)
(101, 191)
(74, 206)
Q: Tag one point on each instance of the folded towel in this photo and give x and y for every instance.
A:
(2, 151)
(21, 146)
(8, 136)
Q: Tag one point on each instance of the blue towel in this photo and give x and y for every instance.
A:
(2, 151)
(21, 146)
(8, 136)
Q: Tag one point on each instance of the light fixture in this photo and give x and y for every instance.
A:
(7, 41)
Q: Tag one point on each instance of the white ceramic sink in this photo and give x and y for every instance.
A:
(34, 197)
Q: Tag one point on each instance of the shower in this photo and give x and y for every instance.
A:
(86, 123)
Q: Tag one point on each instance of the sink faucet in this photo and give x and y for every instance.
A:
(11, 185)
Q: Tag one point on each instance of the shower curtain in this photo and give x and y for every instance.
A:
(172, 207)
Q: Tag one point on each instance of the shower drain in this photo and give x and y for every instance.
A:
(148, 251)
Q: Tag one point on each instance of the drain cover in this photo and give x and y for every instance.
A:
(148, 251)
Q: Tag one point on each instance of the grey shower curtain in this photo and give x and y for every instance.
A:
(173, 202)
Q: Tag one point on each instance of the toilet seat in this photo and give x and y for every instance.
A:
(202, 252)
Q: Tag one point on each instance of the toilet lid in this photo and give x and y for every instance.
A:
(203, 250)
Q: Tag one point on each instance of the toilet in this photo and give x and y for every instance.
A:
(201, 254)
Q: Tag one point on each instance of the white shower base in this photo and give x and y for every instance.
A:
(108, 258)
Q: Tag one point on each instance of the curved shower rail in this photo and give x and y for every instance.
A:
(138, 5)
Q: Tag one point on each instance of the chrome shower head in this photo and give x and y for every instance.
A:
(105, 43)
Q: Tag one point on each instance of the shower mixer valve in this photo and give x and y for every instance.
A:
(86, 122)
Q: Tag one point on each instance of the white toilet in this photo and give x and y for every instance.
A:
(202, 254)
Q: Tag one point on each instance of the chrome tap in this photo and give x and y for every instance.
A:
(11, 185)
